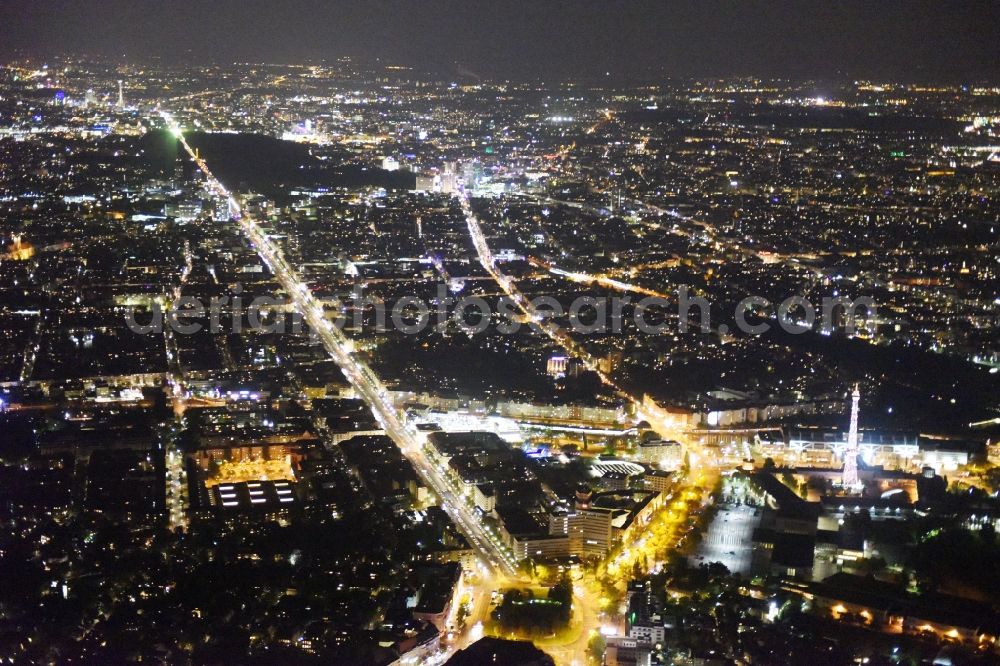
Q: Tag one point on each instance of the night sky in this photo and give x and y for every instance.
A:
(910, 40)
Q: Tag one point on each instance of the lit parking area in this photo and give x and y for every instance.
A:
(729, 539)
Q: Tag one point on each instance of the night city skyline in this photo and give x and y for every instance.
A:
(912, 42)
(531, 334)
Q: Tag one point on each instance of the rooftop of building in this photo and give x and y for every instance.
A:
(932, 607)
(254, 496)
(491, 650)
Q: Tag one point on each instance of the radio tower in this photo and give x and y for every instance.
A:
(121, 95)
(850, 478)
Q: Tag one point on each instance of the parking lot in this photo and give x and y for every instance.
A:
(729, 539)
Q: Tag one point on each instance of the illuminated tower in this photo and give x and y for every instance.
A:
(121, 95)
(850, 478)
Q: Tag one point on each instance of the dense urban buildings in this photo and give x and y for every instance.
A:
(347, 360)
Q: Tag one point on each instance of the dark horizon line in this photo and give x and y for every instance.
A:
(650, 77)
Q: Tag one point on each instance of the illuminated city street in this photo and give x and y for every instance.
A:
(360, 376)
(526, 334)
